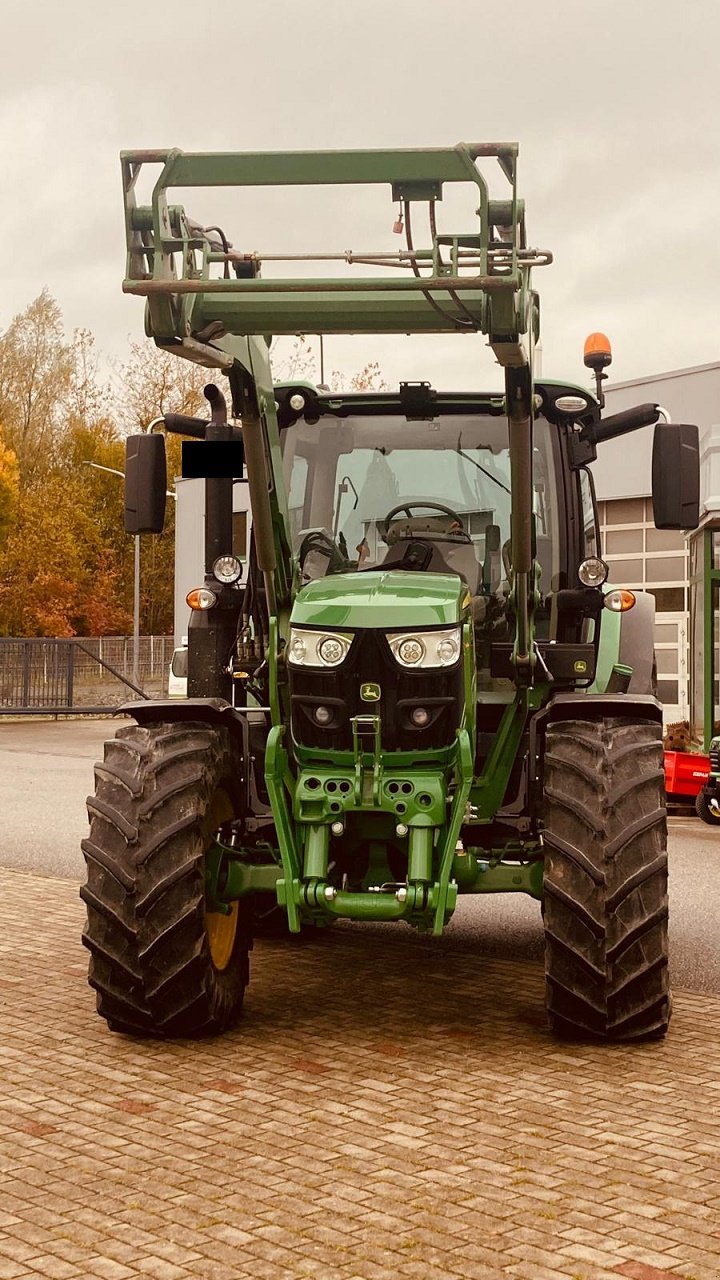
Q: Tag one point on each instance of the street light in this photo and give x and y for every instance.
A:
(136, 573)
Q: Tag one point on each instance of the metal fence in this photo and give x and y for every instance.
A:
(83, 675)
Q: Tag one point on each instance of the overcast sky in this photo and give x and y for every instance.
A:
(615, 104)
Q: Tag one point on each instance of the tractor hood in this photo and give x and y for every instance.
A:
(382, 600)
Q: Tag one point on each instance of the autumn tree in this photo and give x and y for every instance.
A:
(152, 383)
(67, 565)
(36, 367)
(369, 378)
(9, 486)
(297, 363)
(301, 363)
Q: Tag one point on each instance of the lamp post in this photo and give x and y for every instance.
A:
(136, 575)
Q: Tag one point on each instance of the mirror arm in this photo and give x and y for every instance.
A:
(621, 424)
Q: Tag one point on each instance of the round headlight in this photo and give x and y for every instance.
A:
(420, 716)
(322, 715)
(297, 402)
(411, 651)
(332, 650)
(227, 569)
(297, 649)
(593, 572)
(448, 650)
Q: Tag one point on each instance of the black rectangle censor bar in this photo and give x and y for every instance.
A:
(212, 459)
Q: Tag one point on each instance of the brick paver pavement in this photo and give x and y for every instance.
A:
(389, 1107)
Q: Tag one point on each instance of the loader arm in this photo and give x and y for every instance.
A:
(207, 301)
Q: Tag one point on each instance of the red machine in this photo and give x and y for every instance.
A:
(686, 773)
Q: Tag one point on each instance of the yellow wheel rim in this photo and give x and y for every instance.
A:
(221, 929)
(221, 932)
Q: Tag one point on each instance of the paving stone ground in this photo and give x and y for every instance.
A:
(390, 1106)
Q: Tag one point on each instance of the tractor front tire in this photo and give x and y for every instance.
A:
(161, 963)
(606, 905)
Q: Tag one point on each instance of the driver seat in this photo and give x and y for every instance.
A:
(446, 556)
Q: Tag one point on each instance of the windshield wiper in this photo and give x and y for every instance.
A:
(484, 470)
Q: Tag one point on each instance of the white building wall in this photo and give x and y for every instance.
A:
(623, 466)
(639, 555)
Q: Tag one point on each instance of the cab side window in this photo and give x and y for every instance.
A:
(591, 531)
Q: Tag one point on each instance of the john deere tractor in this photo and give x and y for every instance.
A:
(423, 686)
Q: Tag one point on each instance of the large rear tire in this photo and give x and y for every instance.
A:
(161, 964)
(606, 906)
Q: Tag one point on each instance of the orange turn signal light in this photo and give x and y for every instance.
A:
(201, 598)
(598, 352)
(619, 600)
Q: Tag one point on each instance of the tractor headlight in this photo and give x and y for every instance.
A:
(318, 648)
(227, 569)
(593, 572)
(426, 648)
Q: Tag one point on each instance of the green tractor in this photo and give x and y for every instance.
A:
(424, 687)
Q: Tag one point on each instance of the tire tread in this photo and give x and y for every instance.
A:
(150, 962)
(606, 909)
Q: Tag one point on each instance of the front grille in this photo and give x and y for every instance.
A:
(370, 661)
(715, 760)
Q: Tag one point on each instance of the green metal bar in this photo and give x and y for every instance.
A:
(499, 302)
(363, 284)
(341, 312)
(489, 790)
(420, 854)
(365, 760)
(314, 168)
(481, 876)
(457, 814)
(518, 390)
(345, 905)
(243, 878)
(274, 693)
(276, 772)
(315, 863)
(411, 903)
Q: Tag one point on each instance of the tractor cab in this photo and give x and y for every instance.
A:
(378, 486)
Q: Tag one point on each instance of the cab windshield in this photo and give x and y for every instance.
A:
(373, 492)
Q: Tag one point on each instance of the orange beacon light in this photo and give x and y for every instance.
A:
(597, 355)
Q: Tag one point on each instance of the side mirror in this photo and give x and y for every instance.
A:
(145, 484)
(676, 476)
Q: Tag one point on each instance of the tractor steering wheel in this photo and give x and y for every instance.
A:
(408, 508)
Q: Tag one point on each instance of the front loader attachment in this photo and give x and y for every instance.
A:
(208, 301)
(199, 287)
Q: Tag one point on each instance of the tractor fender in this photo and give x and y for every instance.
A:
(582, 706)
(637, 642)
(628, 639)
(596, 706)
(214, 711)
